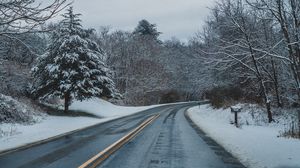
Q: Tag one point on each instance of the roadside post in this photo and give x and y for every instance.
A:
(236, 110)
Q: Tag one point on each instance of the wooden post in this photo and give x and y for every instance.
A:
(236, 110)
(236, 118)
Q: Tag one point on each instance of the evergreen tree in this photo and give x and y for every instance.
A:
(73, 66)
(144, 28)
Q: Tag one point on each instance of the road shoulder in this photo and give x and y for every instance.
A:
(219, 150)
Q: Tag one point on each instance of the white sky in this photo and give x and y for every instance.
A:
(179, 18)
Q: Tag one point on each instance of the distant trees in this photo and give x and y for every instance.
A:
(144, 28)
(22, 48)
(148, 79)
(146, 68)
(73, 66)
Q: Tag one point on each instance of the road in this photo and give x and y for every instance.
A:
(170, 141)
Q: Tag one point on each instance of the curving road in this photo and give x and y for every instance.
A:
(171, 141)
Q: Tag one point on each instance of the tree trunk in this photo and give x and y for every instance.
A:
(274, 77)
(267, 102)
(260, 78)
(299, 123)
(67, 101)
(257, 71)
(270, 117)
(279, 104)
(276, 85)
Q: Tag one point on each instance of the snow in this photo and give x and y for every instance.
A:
(104, 108)
(236, 108)
(15, 135)
(255, 146)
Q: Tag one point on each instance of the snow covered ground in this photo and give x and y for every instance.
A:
(256, 145)
(104, 108)
(14, 135)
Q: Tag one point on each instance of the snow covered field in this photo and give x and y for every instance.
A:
(14, 135)
(256, 146)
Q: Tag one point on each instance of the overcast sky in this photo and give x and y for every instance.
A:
(179, 18)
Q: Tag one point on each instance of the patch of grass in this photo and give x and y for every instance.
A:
(291, 130)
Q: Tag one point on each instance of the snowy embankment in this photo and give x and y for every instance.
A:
(45, 126)
(255, 145)
(105, 109)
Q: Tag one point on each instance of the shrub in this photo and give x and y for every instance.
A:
(12, 111)
(222, 96)
(170, 97)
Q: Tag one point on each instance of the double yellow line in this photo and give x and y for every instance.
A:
(100, 157)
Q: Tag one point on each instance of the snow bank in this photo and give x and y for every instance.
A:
(104, 108)
(14, 135)
(257, 146)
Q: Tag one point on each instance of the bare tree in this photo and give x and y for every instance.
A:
(286, 14)
(20, 23)
(239, 47)
(26, 16)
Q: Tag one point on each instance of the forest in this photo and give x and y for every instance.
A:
(247, 51)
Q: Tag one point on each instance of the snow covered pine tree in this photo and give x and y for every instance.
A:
(144, 28)
(72, 67)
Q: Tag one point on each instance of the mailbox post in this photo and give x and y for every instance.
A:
(235, 110)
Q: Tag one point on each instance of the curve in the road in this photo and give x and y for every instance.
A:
(171, 141)
(73, 149)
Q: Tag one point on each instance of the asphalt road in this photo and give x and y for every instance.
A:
(169, 142)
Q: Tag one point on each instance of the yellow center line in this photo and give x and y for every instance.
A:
(104, 154)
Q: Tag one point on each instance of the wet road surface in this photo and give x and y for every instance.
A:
(169, 142)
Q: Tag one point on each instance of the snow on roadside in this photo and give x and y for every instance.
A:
(104, 108)
(15, 135)
(256, 146)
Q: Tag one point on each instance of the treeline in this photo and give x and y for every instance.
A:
(146, 69)
(254, 45)
(248, 50)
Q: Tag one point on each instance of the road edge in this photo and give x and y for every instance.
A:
(227, 157)
(52, 138)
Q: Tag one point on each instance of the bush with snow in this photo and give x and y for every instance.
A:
(12, 111)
